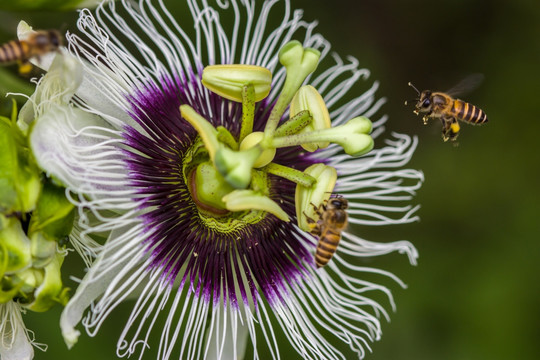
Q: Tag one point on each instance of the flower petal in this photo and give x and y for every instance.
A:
(79, 149)
(14, 341)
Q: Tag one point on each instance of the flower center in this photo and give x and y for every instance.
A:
(208, 187)
(227, 176)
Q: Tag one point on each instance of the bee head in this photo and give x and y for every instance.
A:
(422, 102)
(55, 38)
(425, 102)
(338, 203)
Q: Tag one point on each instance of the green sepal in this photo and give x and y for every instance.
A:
(15, 251)
(8, 295)
(54, 213)
(19, 175)
(51, 290)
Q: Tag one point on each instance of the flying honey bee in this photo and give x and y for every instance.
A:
(443, 106)
(21, 51)
(332, 221)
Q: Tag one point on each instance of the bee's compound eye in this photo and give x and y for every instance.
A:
(426, 103)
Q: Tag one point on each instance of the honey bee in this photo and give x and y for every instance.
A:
(21, 51)
(332, 221)
(443, 106)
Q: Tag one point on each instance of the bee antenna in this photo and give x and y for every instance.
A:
(411, 85)
(407, 102)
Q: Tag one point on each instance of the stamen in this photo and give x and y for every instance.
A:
(295, 124)
(299, 63)
(352, 136)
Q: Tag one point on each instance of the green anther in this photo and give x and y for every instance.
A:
(248, 111)
(291, 174)
(206, 131)
(236, 166)
(224, 136)
(308, 198)
(352, 136)
(228, 81)
(308, 98)
(240, 200)
(295, 124)
(299, 63)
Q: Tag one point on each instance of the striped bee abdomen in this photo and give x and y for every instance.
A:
(326, 248)
(13, 51)
(468, 112)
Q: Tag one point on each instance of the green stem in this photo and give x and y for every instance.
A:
(281, 104)
(291, 174)
(326, 135)
(299, 62)
(295, 124)
(248, 111)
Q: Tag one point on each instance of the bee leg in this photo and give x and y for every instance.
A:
(314, 227)
(450, 128)
(454, 129)
(319, 209)
(425, 118)
(25, 67)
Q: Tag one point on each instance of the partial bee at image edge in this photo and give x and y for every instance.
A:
(37, 44)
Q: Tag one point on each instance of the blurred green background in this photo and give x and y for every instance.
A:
(475, 293)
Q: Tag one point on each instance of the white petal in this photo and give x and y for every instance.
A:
(57, 87)
(14, 344)
(97, 280)
(80, 149)
(228, 337)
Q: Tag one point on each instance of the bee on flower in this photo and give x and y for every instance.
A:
(202, 158)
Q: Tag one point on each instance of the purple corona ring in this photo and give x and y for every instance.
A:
(183, 214)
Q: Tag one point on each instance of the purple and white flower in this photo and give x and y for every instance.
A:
(108, 126)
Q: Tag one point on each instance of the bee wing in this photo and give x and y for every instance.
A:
(466, 85)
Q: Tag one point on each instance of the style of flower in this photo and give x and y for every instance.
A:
(201, 156)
